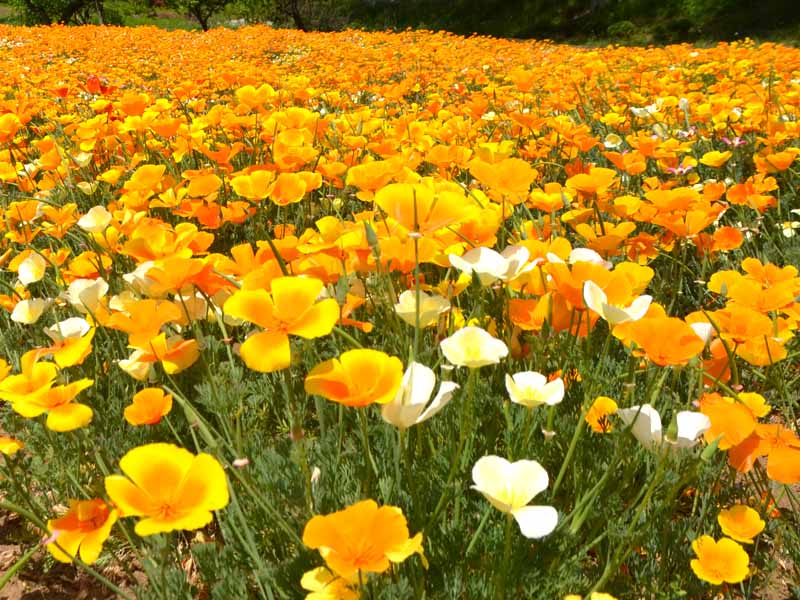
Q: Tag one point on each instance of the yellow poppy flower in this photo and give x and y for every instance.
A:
(290, 307)
(722, 561)
(169, 487)
(740, 522)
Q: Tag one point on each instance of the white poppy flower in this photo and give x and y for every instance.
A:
(72, 328)
(531, 389)
(85, 294)
(430, 307)
(95, 220)
(509, 487)
(703, 330)
(648, 430)
(28, 312)
(491, 265)
(410, 405)
(138, 279)
(31, 269)
(596, 299)
(588, 255)
(473, 347)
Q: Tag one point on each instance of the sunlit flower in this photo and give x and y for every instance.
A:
(174, 353)
(431, 306)
(72, 341)
(82, 531)
(510, 487)
(362, 537)
(531, 389)
(490, 265)
(410, 405)
(646, 426)
(96, 220)
(741, 523)
(148, 406)
(357, 378)
(473, 347)
(718, 562)
(596, 299)
(731, 421)
(32, 393)
(169, 487)
(715, 158)
(32, 269)
(290, 307)
(666, 340)
(27, 312)
(85, 294)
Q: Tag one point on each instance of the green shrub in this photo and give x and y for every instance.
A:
(621, 30)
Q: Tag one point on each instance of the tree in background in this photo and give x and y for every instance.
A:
(202, 10)
(631, 21)
(45, 12)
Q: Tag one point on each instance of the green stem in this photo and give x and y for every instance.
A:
(349, 338)
(576, 436)
(362, 420)
(626, 545)
(298, 438)
(454, 460)
(501, 587)
(15, 568)
(398, 457)
(487, 511)
(526, 433)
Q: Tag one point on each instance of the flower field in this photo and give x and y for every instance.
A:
(399, 315)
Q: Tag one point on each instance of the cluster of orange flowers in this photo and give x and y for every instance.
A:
(129, 170)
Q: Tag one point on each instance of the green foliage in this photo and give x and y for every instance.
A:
(632, 21)
(202, 10)
(621, 29)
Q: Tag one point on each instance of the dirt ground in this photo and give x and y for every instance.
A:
(36, 582)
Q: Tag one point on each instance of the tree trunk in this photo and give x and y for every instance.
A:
(71, 10)
(201, 18)
(297, 17)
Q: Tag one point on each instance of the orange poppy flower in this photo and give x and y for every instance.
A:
(149, 405)
(597, 180)
(362, 538)
(253, 186)
(732, 420)
(82, 531)
(9, 446)
(421, 208)
(666, 340)
(342, 379)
